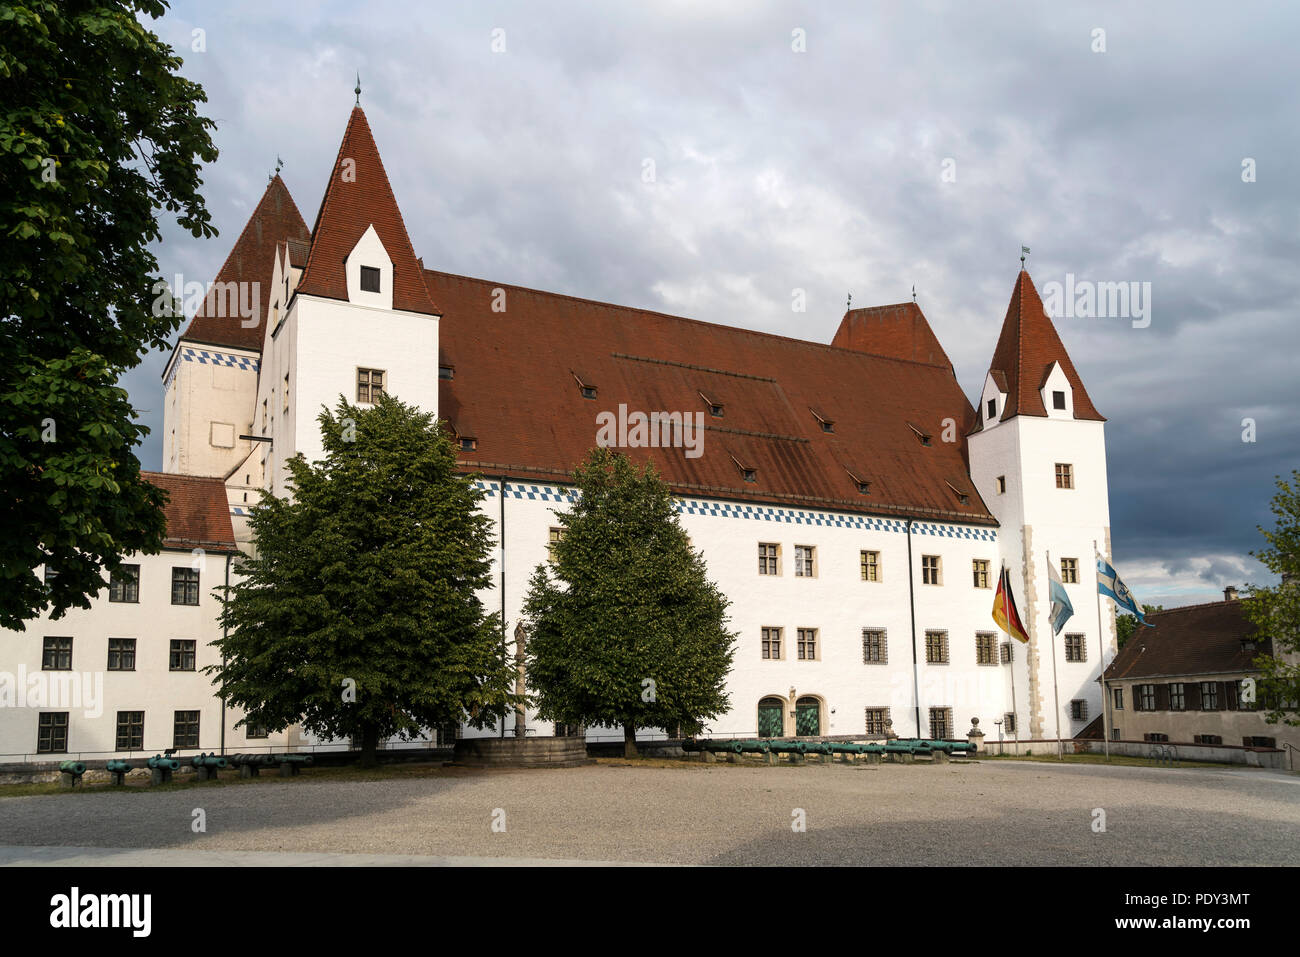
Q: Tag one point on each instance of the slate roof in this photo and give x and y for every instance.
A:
(1192, 640)
(197, 511)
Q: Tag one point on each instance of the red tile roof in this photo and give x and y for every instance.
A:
(1026, 350)
(198, 515)
(252, 259)
(1192, 640)
(357, 197)
(516, 390)
(899, 331)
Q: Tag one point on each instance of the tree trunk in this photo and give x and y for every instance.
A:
(629, 741)
(369, 746)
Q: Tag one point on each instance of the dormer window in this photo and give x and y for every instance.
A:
(922, 437)
(369, 279)
(1058, 400)
(993, 410)
(826, 424)
(715, 408)
(962, 497)
(468, 444)
(863, 486)
(747, 472)
(446, 372)
(585, 386)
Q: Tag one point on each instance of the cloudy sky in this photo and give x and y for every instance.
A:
(903, 144)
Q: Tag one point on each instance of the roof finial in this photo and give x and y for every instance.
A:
(357, 91)
(1024, 251)
(913, 292)
(848, 307)
(279, 164)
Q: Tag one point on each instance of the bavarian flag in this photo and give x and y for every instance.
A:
(1004, 608)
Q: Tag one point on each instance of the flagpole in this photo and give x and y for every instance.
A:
(1056, 691)
(1101, 659)
(1011, 658)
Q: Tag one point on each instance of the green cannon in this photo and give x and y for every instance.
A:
(250, 765)
(117, 769)
(161, 768)
(206, 766)
(70, 773)
(291, 763)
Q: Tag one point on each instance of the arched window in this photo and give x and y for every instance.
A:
(808, 716)
(771, 723)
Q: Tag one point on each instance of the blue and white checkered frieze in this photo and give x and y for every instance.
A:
(760, 513)
(207, 357)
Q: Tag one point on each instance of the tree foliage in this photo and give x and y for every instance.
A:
(98, 134)
(625, 627)
(1275, 611)
(367, 581)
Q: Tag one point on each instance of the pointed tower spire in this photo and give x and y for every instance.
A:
(359, 196)
(1027, 349)
(251, 260)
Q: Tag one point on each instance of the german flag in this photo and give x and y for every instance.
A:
(1004, 609)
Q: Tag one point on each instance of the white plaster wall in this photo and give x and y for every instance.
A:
(151, 688)
(206, 384)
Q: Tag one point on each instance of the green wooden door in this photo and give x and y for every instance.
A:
(807, 717)
(770, 724)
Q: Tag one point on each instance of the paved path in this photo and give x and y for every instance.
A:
(1000, 813)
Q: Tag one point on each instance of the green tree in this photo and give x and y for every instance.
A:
(625, 627)
(98, 133)
(1125, 625)
(358, 613)
(1275, 611)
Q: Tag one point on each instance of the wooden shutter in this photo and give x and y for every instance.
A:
(1162, 698)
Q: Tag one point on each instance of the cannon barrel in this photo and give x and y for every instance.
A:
(73, 767)
(158, 762)
(292, 759)
(209, 761)
(117, 764)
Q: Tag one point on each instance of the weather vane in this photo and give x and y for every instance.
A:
(357, 91)
(848, 307)
(1024, 251)
(913, 292)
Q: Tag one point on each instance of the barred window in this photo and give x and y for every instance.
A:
(130, 730)
(182, 655)
(772, 643)
(936, 647)
(980, 570)
(940, 723)
(876, 718)
(768, 553)
(871, 566)
(986, 648)
(1007, 653)
(121, 654)
(1075, 649)
(52, 732)
(875, 647)
(803, 561)
(930, 570)
(57, 654)
(807, 639)
(185, 586)
(370, 384)
(1155, 736)
(1009, 722)
(1070, 571)
(1079, 709)
(124, 584)
(1207, 739)
(185, 733)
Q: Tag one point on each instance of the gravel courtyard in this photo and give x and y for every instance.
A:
(990, 812)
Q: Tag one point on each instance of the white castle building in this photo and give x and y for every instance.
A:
(847, 497)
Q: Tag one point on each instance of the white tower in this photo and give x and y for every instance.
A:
(1038, 458)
